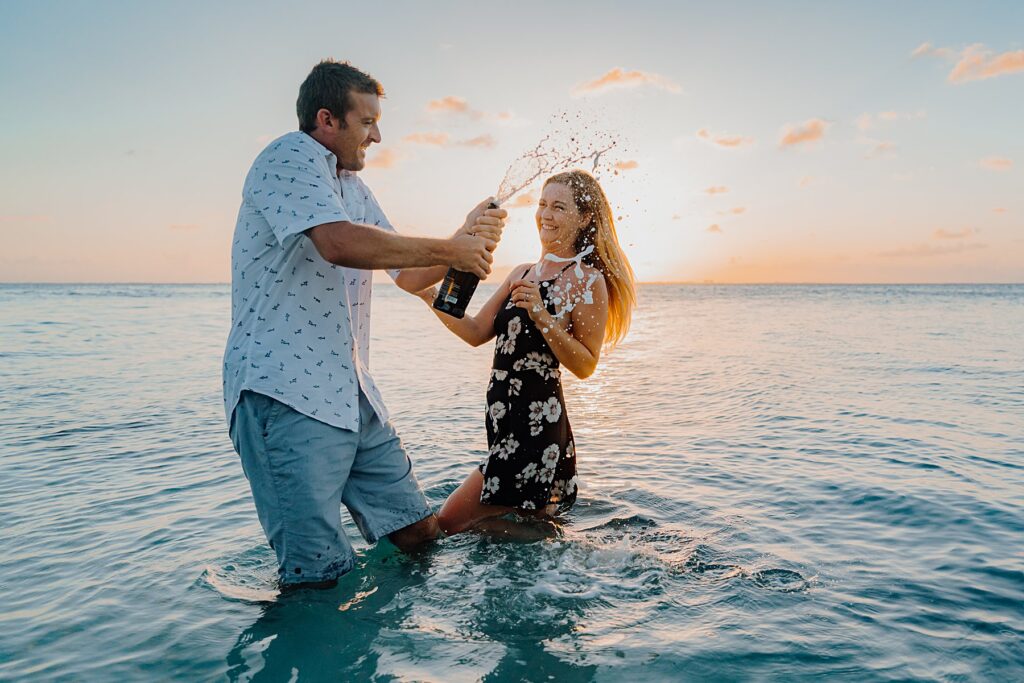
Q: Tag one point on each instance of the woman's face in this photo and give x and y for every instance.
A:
(558, 219)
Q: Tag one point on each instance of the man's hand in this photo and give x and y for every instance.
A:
(472, 254)
(484, 222)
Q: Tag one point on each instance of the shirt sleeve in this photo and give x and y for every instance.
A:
(375, 216)
(288, 186)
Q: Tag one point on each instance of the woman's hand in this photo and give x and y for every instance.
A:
(526, 295)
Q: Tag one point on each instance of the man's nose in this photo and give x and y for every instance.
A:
(375, 133)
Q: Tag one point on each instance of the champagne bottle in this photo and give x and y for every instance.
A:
(457, 289)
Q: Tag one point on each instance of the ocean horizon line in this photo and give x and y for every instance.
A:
(712, 283)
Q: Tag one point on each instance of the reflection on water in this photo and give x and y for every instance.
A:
(778, 482)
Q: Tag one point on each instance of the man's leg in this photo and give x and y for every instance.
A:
(382, 492)
(297, 468)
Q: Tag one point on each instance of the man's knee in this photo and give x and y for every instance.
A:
(415, 535)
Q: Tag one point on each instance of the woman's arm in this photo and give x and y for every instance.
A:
(478, 329)
(580, 349)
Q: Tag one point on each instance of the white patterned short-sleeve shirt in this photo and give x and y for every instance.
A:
(300, 326)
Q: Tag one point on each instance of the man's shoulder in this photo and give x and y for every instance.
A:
(292, 147)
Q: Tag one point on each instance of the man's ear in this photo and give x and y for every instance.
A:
(325, 119)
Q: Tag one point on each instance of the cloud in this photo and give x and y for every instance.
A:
(437, 139)
(805, 133)
(620, 78)
(385, 158)
(452, 104)
(978, 63)
(879, 148)
(625, 165)
(730, 141)
(444, 140)
(927, 49)
(734, 211)
(449, 104)
(942, 234)
(999, 209)
(804, 182)
(975, 62)
(25, 218)
(714, 228)
(927, 250)
(867, 121)
(996, 163)
(716, 189)
(485, 141)
(523, 201)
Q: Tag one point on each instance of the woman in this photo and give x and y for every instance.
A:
(557, 312)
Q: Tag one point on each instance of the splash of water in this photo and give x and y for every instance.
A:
(569, 144)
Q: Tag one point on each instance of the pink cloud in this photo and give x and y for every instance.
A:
(620, 78)
(716, 189)
(449, 104)
(927, 250)
(384, 158)
(626, 165)
(999, 209)
(485, 141)
(996, 163)
(734, 211)
(437, 139)
(26, 218)
(523, 201)
(942, 234)
(808, 132)
(714, 228)
(804, 182)
(730, 141)
(978, 63)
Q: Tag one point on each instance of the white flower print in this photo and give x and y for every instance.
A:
(507, 343)
(542, 363)
(496, 411)
(491, 485)
(570, 450)
(552, 410)
(500, 375)
(528, 505)
(515, 385)
(504, 448)
(550, 456)
(545, 475)
(528, 473)
(570, 486)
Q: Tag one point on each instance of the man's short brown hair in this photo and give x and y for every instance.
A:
(327, 87)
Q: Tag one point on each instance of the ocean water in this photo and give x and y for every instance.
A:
(778, 483)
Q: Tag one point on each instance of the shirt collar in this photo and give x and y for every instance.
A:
(332, 161)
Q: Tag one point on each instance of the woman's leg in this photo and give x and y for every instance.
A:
(463, 509)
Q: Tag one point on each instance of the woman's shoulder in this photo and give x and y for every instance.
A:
(591, 274)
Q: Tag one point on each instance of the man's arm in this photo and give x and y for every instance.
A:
(370, 248)
(481, 221)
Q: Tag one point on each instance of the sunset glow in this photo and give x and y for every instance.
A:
(808, 154)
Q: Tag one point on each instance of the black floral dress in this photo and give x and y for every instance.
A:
(531, 461)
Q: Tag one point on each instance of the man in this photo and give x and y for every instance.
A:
(304, 413)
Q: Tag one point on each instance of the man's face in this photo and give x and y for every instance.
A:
(349, 143)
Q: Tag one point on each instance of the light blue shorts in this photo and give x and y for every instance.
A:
(301, 470)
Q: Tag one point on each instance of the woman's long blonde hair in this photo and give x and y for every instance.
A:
(607, 256)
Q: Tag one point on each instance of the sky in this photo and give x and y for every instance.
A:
(872, 142)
